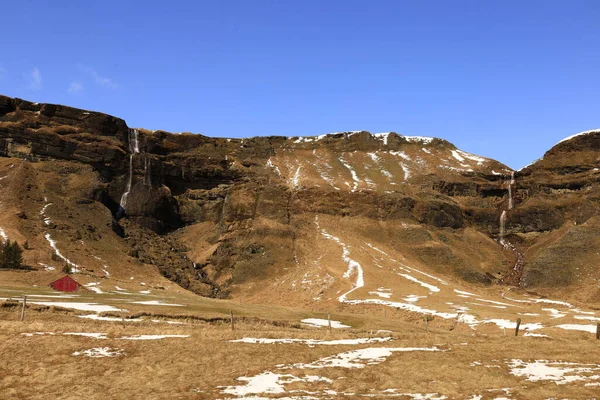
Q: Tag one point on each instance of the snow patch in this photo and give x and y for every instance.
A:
(74, 267)
(152, 337)
(579, 134)
(78, 306)
(99, 352)
(312, 342)
(556, 371)
(431, 288)
(360, 358)
(157, 303)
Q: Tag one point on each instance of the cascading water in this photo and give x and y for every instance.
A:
(510, 185)
(513, 277)
(134, 148)
(502, 226)
(147, 171)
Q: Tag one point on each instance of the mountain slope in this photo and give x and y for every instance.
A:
(286, 220)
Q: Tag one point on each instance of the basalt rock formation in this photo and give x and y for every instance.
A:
(213, 214)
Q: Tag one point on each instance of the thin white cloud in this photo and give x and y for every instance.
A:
(35, 79)
(99, 79)
(75, 87)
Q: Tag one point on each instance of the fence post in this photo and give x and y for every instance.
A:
(23, 309)
(598, 330)
(231, 316)
(517, 327)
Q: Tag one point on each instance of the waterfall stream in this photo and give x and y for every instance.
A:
(513, 277)
(502, 226)
(147, 171)
(510, 185)
(134, 148)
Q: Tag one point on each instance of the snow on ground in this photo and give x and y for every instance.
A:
(472, 157)
(30, 334)
(400, 154)
(95, 307)
(111, 319)
(499, 303)
(405, 170)
(383, 136)
(463, 293)
(558, 372)
(95, 335)
(578, 327)
(312, 342)
(562, 303)
(352, 173)
(157, 303)
(99, 352)
(74, 267)
(535, 334)
(382, 292)
(152, 337)
(419, 139)
(45, 218)
(47, 267)
(275, 168)
(374, 157)
(457, 155)
(296, 178)
(3, 235)
(404, 306)
(268, 382)
(554, 313)
(359, 358)
(506, 324)
(579, 134)
(354, 266)
(431, 288)
(413, 298)
(94, 287)
(324, 169)
(319, 323)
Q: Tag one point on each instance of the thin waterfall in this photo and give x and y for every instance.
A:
(147, 171)
(510, 185)
(134, 148)
(502, 226)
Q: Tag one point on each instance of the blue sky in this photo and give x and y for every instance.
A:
(503, 79)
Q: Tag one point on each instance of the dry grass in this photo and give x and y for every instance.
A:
(42, 367)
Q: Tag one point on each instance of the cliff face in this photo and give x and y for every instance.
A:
(214, 214)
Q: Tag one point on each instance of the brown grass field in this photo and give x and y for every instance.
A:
(470, 363)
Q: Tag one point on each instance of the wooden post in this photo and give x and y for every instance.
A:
(23, 309)
(426, 323)
(231, 316)
(598, 330)
(517, 327)
(329, 322)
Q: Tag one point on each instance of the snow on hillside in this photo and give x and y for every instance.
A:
(579, 134)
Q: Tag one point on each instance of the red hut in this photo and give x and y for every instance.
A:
(65, 284)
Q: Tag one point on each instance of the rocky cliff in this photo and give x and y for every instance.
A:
(217, 215)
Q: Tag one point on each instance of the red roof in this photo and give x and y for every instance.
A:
(65, 284)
